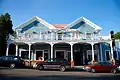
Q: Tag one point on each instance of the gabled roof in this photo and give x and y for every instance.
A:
(96, 27)
(59, 26)
(33, 19)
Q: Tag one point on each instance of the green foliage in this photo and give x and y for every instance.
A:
(117, 35)
(5, 30)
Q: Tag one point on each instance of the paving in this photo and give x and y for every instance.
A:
(33, 74)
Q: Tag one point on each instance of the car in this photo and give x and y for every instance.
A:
(62, 65)
(101, 67)
(119, 68)
(11, 61)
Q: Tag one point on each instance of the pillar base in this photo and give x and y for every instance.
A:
(72, 63)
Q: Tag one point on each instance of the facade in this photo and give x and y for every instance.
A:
(79, 41)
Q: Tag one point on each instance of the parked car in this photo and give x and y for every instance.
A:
(11, 61)
(101, 67)
(62, 65)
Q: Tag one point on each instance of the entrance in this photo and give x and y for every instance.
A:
(60, 55)
(39, 54)
(78, 58)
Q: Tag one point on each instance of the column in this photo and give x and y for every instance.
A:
(72, 62)
(93, 59)
(29, 50)
(52, 50)
(7, 49)
(71, 52)
(16, 54)
(112, 57)
(111, 50)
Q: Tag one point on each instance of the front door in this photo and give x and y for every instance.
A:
(60, 55)
(39, 54)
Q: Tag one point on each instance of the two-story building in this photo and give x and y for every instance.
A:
(79, 41)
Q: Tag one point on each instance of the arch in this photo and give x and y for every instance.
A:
(40, 49)
(82, 53)
(62, 50)
(62, 43)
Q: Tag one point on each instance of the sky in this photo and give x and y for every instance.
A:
(104, 13)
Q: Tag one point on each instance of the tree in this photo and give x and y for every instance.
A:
(5, 30)
(117, 35)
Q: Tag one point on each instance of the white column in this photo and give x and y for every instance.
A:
(111, 50)
(92, 44)
(7, 50)
(16, 54)
(51, 50)
(29, 50)
(71, 52)
(72, 61)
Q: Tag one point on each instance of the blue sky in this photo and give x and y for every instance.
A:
(105, 13)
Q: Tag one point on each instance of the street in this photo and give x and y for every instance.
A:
(32, 74)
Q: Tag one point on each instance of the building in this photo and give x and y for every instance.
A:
(79, 41)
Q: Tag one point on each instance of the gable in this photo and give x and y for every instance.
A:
(34, 25)
(76, 26)
(84, 25)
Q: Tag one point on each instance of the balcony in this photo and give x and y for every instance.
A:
(58, 37)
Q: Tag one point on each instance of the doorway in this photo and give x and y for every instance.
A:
(39, 54)
(78, 58)
(59, 55)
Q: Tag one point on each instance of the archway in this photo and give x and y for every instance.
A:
(62, 51)
(41, 50)
(81, 53)
(23, 50)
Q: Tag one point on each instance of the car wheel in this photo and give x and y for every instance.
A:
(62, 68)
(93, 70)
(114, 71)
(12, 66)
(40, 67)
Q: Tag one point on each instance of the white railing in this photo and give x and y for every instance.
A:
(55, 36)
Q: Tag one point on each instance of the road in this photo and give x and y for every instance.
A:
(32, 74)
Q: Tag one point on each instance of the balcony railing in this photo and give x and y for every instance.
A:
(56, 36)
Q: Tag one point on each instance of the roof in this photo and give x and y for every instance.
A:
(33, 19)
(60, 26)
(85, 20)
